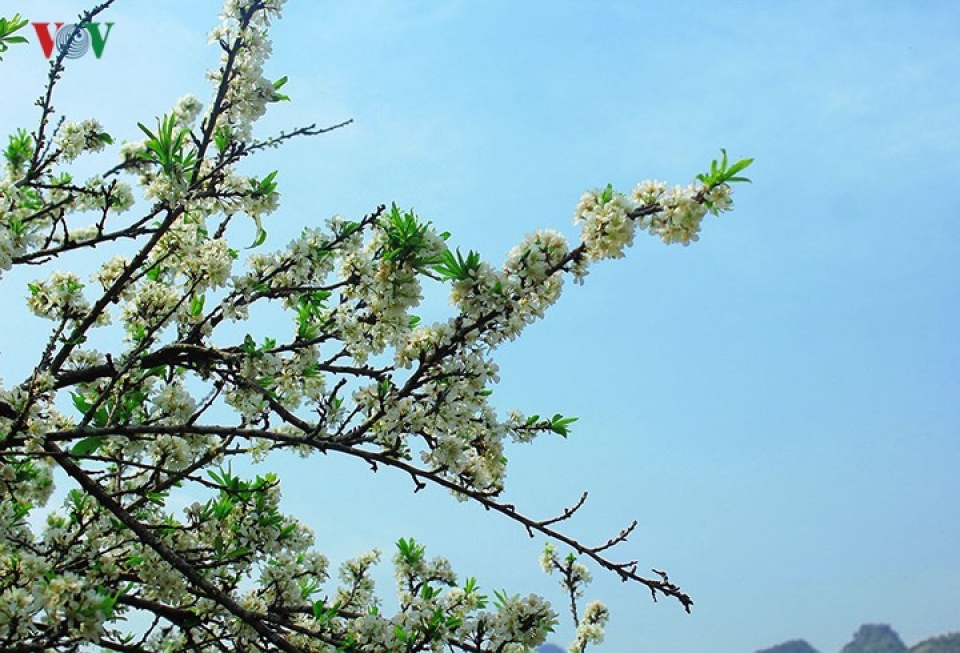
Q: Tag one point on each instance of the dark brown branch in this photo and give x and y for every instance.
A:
(625, 570)
(567, 512)
(171, 557)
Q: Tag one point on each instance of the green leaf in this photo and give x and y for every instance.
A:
(100, 417)
(7, 28)
(411, 552)
(153, 274)
(80, 402)
(239, 552)
(19, 149)
(150, 135)
(265, 187)
(249, 345)
(221, 137)
(561, 425)
(408, 241)
(168, 148)
(607, 194)
(739, 165)
(502, 599)
(107, 604)
(277, 85)
(261, 237)
(156, 498)
(723, 173)
(454, 267)
(196, 305)
(87, 446)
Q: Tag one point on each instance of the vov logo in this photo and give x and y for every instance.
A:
(73, 42)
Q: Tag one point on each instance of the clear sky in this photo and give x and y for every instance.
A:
(776, 404)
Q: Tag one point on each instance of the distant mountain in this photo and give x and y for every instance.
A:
(872, 638)
(875, 638)
(793, 646)
(941, 644)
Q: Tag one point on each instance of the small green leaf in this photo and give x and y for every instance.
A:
(107, 604)
(87, 446)
(318, 609)
(221, 137)
(454, 267)
(156, 498)
(146, 131)
(196, 305)
(80, 402)
(561, 425)
(277, 85)
(607, 194)
(739, 165)
(7, 28)
(266, 186)
(261, 237)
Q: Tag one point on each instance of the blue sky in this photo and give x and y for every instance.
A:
(775, 404)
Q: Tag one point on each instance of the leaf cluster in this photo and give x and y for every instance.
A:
(8, 27)
(169, 148)
(408, 240)
(19, 149)
(721, 172)
(557, 424)
(453, 266)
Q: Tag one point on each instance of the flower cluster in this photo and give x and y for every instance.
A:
(248, 91)
(77, 138)
(607, 227)
(590, 628)
(574, 577)
(610, 219)
(58, 298)
(18, 234)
